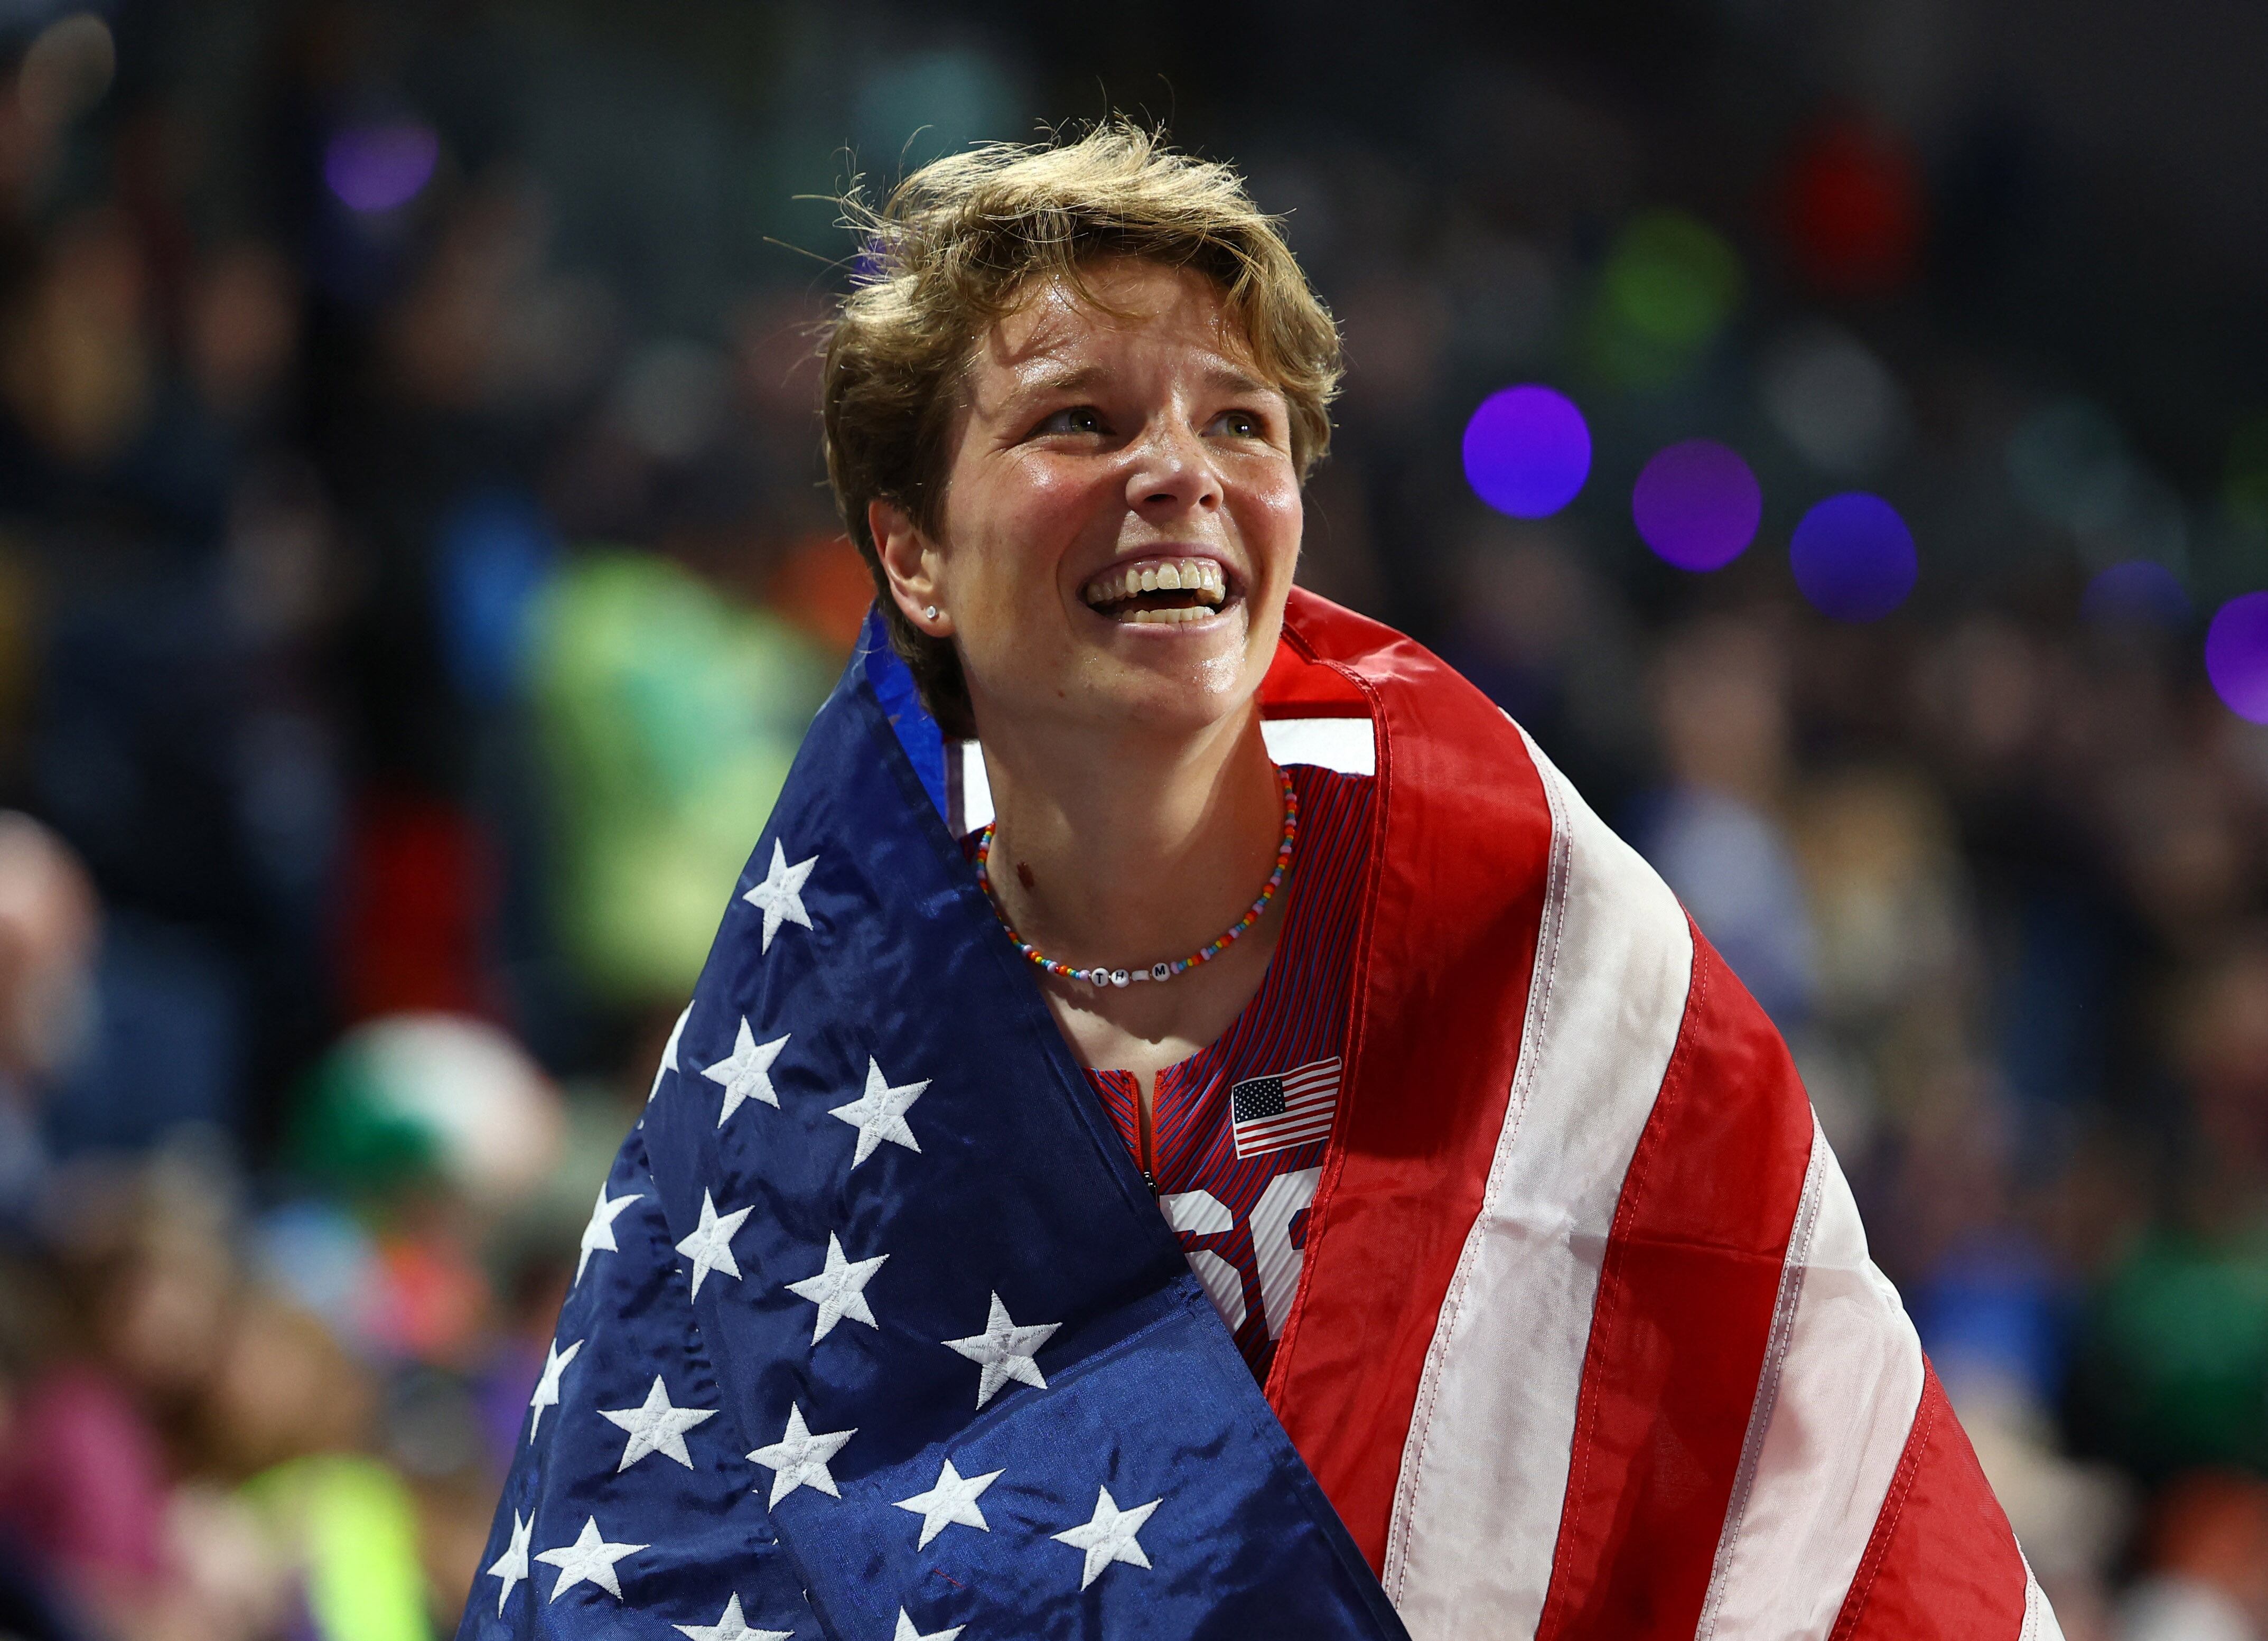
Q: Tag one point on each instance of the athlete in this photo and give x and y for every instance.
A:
(1358, 1199)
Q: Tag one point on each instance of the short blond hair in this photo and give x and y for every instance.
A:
(953, 250)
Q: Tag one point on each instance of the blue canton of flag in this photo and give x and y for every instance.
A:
(875, 1331)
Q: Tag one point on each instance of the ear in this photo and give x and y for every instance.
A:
(910, 560)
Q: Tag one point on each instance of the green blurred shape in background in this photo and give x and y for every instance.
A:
(669, 717)
(1666, 292)
(2175, 1372)
(417, 1097)
(2247, 488)
(355, 1526)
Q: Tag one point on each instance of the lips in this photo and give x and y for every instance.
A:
(1167, 590)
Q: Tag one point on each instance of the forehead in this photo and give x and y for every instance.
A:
(1129, 310)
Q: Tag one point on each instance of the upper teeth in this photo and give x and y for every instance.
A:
(1200, 575)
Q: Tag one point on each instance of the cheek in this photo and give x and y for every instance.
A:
(1272, 520)
(1008, 527)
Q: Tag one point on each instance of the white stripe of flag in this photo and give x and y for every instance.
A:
(1289, 1108)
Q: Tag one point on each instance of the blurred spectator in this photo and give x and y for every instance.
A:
(2173, 1370)
(2206, 1564)
(1721, 695)
(49, 928)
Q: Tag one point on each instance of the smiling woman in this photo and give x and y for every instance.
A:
(1370, 1207)
(1111, 549)
(965, 241)
(1084, 537)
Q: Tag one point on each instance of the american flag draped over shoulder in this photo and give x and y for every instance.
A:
(1589, 1344)
(878, 1334)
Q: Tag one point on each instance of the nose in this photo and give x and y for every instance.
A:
(1172, 473)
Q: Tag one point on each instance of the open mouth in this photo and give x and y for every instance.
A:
(1153, 591)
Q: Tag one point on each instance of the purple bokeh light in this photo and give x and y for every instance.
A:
(2236, 655)
(377, 167)
(1528, 451)
(1698, 505)
(1853, 557)
(2135, 590)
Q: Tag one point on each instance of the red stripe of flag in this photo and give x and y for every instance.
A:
(1450, 909)
(1685, 1303)
(1942, 1562)
(1279, 1139)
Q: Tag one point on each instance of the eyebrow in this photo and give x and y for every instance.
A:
(1074, 380)
(1237, 381)
(1061, 381)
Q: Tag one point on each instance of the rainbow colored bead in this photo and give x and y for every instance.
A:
(1102, 976)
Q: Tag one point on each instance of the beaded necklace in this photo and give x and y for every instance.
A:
(1205, 953)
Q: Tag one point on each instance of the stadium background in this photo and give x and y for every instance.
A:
(415, 569)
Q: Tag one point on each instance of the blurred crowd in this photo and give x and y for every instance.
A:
(416, 569)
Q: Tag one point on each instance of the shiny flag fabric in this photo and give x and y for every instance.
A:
(877, 1333)
(882, 1334)
(1588, 1343)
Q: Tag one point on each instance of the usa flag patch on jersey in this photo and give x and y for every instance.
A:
(1289, 1108)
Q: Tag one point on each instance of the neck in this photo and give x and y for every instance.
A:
(1124, 851)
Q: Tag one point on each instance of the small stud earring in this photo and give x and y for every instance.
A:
(931, 612)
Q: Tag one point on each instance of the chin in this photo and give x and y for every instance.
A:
(1186, 699)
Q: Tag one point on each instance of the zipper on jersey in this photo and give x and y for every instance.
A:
(1142, 1129)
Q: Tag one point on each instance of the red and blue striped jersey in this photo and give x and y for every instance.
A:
(1237, 1140)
